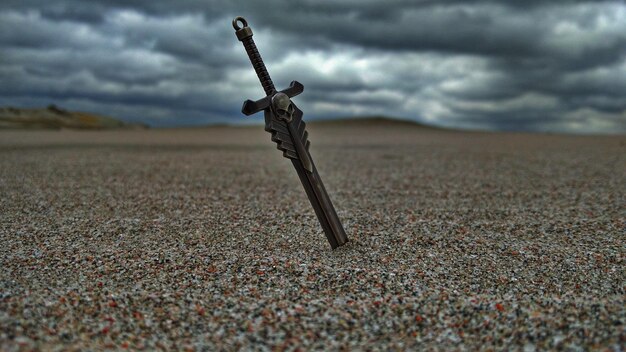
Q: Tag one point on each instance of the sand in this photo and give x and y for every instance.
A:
(204, 240)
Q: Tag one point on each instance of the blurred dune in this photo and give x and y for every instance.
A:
(370, 121)
(54, 117)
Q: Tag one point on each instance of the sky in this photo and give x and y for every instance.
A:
(555, 66)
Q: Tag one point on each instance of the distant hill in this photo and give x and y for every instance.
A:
(369, 121)
(54, 117)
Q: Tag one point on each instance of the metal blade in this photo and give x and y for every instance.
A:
(300, 148)
(322, 205)
(296, 149)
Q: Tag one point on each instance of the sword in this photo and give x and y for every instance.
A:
(284, 121)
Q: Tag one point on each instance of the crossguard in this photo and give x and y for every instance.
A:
(252, 107)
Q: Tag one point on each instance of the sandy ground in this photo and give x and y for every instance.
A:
(203, 239)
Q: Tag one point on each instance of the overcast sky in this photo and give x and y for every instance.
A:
(515, 65)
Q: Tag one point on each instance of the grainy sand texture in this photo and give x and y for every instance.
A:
(204, 239)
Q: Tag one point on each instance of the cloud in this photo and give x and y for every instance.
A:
(522, 65)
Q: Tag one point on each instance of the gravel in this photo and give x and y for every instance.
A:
(204, 240)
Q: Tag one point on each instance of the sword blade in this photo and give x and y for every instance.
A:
(326, 214)
(300, 149)
(297, 151)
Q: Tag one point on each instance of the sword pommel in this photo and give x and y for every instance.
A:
(242, 31)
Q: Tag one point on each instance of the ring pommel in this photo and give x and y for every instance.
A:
(241, 28)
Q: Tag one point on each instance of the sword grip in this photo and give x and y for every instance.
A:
(244, 34)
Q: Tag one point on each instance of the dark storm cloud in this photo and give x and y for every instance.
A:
(524, 65)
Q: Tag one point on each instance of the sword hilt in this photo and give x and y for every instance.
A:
(244, 34)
